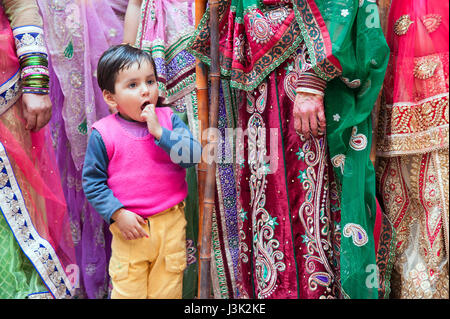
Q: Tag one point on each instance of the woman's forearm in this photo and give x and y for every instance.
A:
(131, 23)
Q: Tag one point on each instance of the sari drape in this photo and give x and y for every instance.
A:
(263, 47)
(37, 258)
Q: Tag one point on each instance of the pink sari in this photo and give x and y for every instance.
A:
(31, 199)
(415, 118)
(412, 146)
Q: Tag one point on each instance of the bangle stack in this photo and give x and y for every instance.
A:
(33, 59)
(309, 82)
(35, 76)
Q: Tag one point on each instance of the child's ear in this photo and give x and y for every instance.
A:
(109, 99)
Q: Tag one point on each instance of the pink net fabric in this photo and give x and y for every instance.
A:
(418, 38)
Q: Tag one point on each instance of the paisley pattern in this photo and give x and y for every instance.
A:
(285, 31)
(357, 233)
(425, 69)
(268, 259)
(354, 84)
(431, 22)
(358, 142)
(316, 223)
(339, 161)
(289, 235)
(260, 28)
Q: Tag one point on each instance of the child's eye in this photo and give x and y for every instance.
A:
(150, 81)
(132, 85)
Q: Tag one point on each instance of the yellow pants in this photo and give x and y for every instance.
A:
(151, 268)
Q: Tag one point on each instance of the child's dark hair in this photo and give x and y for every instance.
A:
(117, 58)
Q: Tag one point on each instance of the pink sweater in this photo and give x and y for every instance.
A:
(140, 173)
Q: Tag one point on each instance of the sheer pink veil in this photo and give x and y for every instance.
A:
(35, 172)
(418, 38)
(9, 63)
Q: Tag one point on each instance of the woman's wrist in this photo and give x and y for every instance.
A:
(309, 82)
(33, 59)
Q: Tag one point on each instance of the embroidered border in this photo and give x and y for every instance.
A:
(386, 256)
(10, 92)
(315, 40)
(314, 216)
(247, 81)
(36, 248)
(29, 39)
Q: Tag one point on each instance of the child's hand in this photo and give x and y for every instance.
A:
(153, 125)
(129, 224)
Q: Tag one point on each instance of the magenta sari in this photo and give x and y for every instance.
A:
(306, 207)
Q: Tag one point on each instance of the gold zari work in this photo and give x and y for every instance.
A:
(402, 25)
(414, 191)
(425, 69)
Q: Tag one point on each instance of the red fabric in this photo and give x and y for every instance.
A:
(141, 174)
(297, 256)
(377, 228)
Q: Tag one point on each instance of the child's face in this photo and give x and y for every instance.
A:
(135, 88)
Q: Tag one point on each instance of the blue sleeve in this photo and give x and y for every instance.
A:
(95, 176)
(179, 143)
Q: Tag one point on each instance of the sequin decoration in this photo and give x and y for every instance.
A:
(402, 25)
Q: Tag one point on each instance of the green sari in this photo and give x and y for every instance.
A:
(362, 52)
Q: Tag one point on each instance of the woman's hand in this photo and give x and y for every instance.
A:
(309, 115)
(129, 224)
(37, 110)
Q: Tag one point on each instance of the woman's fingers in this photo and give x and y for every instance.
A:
(42, 119)
(30, 119)
(305, 126)
(313, 125)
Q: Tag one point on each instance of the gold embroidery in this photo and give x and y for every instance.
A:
(9, 92)
(408, 129)
(411, 188)
(425, 69)
(36, 248)
(402, 25)
(431, 22)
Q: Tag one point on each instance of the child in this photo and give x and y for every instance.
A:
(133, 183)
